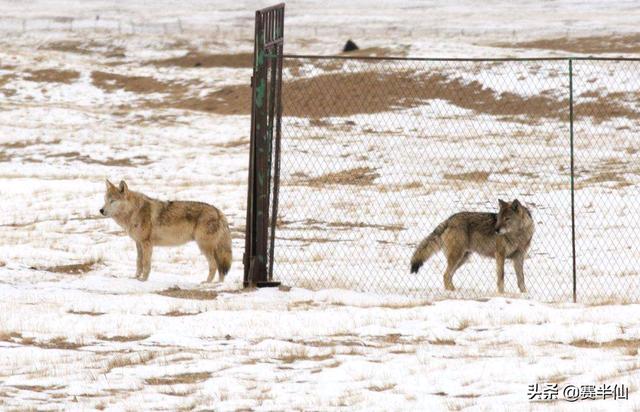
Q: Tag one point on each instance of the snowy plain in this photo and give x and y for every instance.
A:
(77, 332)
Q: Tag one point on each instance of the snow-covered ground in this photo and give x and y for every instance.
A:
(81, 103)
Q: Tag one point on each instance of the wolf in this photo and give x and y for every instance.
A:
(503, 235)
(151, 222)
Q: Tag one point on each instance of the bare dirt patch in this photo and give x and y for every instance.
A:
(200, 59)
(176, 292)
(52, 76)
(359, 176)
(230, 100)
(136, 84)
(349, 93)
(591, 45)
(71, 269)
(183, 378)
(346, 94)
(85, 48)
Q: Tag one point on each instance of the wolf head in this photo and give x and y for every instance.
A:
(511, 217)
(115, 199)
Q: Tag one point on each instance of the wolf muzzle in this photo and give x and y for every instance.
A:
(102, 212)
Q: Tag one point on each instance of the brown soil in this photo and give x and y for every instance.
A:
(72, 269)
(176, 292)
(78, 47)
(590, 45)
(230, 100)
(198, 59)
(386, 91)
(359, 176)
(135, 84)
(351, 93)
(52, 76)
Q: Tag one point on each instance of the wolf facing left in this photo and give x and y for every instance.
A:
(151, 222)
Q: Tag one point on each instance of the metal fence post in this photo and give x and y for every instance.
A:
(265, 113)
(573, 215)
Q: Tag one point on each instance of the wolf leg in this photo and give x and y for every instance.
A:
(455, 259)
(207, 250)
(139, 260)
(500, 270)
(518, 265)
(147, 251)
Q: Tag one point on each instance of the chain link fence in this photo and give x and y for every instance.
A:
(377, 152)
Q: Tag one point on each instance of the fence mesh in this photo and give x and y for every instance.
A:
(376, 153)
(607, 168)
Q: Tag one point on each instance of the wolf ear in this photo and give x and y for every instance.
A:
(502, 203)
(123, 187)
(515, 205)
(109, 185)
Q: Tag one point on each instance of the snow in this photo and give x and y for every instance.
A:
(355, 331)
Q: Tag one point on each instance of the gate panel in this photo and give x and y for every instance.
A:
(265, 142)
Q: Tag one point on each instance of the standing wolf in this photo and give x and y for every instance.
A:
(152, 222)
(505, 235)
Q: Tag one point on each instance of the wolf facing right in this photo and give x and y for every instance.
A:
(505, 235)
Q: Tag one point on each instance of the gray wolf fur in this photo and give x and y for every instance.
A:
(150, 222)
(505, 235)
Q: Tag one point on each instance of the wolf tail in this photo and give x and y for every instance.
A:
(222, 254)
(429, 245)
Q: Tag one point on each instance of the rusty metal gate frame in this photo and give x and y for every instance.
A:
(264, 161)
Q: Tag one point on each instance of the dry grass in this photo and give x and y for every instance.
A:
(71, 269)
(131, 161)
(469, 176)
(629, 43)
(120, 338)
(179, 313)
(85, 313)
(359, 176)
(38, 388)
(383, 387)
(133, 359)
(613, 344)
(176, 292)
(445, 342)
(52, 76)
(59, 342)
(183, 378)
(461, 325)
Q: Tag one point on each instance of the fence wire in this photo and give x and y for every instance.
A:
(376, 153)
